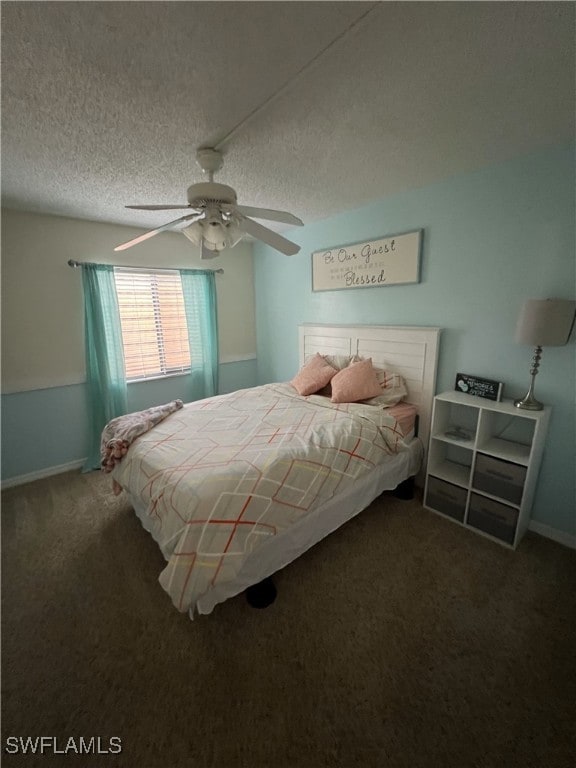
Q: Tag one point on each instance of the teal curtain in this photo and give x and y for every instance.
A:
(105, 372)
(199, 288)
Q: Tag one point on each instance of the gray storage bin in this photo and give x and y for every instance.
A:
(446, 498)
(490, 516)
(499, 478)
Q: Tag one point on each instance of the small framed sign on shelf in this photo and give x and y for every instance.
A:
(474, 385)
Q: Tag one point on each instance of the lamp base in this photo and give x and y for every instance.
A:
(529, 402)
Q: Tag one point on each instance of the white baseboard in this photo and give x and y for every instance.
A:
(41, 473)
(553, 533)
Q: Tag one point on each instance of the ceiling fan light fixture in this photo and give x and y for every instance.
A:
(214, 234)
(217, 235)
(218, 222)
(233, 234)
(194, 233)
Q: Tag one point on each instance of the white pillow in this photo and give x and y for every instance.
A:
(393, 389)
(339, 361)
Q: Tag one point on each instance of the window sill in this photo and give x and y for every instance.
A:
(160, 377)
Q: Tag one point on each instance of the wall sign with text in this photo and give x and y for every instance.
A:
(389, 261)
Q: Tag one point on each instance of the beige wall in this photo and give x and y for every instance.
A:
(42, 309)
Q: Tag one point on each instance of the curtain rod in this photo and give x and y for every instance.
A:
(73, 263)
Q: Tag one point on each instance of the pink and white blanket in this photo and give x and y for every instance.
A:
(119, 434)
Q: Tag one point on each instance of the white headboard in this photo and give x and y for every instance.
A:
(409, 351)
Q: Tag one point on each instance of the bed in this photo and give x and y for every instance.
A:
(235, 487)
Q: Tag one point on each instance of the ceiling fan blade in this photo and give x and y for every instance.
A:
(268, 213)
(153, 232)
(157, 207)
(206, 253)
(273, 239)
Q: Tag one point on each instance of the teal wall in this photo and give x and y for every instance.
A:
(491, 239)
(46, 428)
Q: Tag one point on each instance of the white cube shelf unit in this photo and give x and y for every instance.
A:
(483, 463)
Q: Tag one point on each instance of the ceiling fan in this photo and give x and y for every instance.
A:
(215, 221)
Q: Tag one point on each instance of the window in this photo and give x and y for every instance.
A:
(153, 319)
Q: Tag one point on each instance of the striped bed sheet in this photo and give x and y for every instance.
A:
(405, 415)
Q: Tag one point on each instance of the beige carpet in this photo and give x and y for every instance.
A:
(401, 641)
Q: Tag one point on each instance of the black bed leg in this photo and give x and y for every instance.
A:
(261, 595)
(405, 490)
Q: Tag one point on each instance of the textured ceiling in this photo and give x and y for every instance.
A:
(319, 107)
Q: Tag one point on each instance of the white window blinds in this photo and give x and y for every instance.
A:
(154, 329)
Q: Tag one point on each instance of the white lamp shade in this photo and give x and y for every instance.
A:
(545, 322)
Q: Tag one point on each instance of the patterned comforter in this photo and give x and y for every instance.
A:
(220, 476)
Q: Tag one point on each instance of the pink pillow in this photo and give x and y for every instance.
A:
(313, 376)
(356, 382)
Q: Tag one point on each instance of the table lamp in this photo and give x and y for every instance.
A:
(543, 323)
